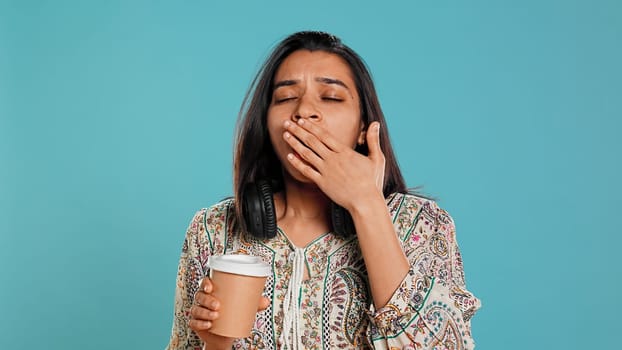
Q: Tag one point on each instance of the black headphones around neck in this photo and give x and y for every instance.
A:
(260, 215)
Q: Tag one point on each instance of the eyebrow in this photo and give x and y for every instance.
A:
(331, 81)
(285, 83)
(322, 80)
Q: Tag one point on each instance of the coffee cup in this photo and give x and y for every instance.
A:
(238, 282)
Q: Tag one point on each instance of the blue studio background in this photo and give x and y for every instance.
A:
(116, 125)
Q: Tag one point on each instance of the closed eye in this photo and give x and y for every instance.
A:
(284, 99)
(332, 99)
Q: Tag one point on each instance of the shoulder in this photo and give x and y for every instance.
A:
(209, 225)
(218, 214)
(411, 205)
(410, 210)
(414, 204)
(213, 215)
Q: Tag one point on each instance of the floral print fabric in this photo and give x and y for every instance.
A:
(431, 309)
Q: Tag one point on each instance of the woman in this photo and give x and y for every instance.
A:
(370, 265)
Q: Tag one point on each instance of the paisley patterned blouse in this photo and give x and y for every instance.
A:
(431, 309)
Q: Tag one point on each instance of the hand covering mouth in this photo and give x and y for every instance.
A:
(297, 155)
(305, 145)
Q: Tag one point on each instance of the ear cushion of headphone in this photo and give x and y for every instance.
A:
(258, 210)
(342, 221)
(267, 199)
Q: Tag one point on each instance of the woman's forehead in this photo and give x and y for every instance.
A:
(304, 64)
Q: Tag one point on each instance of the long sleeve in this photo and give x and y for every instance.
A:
(189, 274)
(432, 308)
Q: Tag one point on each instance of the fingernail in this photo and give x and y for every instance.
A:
(301, 121)
(287, 135)
(287, 124)
(214, 304)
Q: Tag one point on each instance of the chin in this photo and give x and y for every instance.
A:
(294, 175)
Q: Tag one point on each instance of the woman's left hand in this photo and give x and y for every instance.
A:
(344, 175)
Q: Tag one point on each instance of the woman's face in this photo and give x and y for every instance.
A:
(317, 86)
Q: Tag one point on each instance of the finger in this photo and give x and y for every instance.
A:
(303, 168)
(199, 325)
(307, 139)
(373, 141)
(322, 134)
(305, 152)
(316, 137)
(206, 285)
(202, 313)
(206, 300)
(263, 303)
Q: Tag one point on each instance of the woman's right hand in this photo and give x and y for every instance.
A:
(204, 311)
(204, 308)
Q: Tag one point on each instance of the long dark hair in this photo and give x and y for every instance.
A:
(254, 155)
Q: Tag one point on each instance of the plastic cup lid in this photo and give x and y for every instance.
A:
(246, 265)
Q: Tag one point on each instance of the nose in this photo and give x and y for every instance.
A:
(306, 109)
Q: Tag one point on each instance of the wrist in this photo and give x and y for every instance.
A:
(217, 342)
(368, 205)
